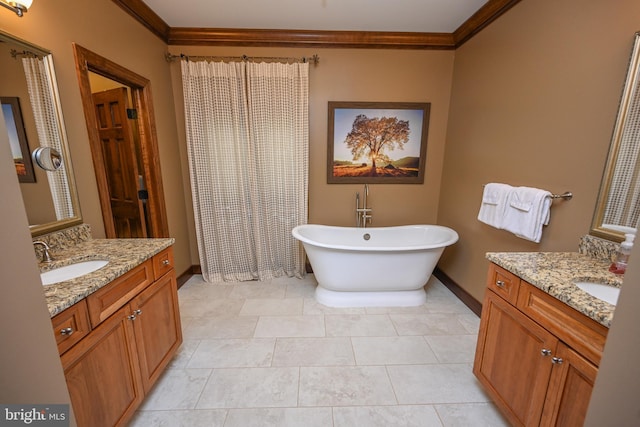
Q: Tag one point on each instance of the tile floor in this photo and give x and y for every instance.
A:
(267, 354)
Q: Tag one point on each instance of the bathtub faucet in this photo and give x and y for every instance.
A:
(363, 214)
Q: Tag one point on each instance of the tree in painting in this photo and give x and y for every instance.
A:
(372, 137)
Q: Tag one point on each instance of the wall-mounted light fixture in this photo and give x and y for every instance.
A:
(18, 6)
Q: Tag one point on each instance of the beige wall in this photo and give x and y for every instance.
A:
(102, 27)
(614, 401)
(31, 372)
(533, 103)
(357, 75)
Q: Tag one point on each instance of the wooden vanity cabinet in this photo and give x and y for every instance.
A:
(569, 390)
(109, 371)
(102, 373)
(531, 373)
(157, 328)
(509, 360)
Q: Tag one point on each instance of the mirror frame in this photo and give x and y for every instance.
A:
(49, 227)
(632, 79)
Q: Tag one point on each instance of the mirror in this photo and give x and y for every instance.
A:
(47, 158)
(618, 206)
(28, 77)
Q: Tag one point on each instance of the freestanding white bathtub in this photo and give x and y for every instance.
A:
(373, 267)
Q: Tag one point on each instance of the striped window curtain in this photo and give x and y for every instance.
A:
(247, 137)
(48, 125)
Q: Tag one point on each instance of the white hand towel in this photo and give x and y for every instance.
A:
(527, 210)
(494, 203)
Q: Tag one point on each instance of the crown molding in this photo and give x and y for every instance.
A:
(488, 13)
(147, 17)
(311, 38)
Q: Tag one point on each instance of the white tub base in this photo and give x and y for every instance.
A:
(344, 299)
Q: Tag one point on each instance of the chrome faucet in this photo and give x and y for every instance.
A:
(46, 256)
(363, 214)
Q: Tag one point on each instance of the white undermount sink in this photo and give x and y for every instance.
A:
(601, 291)
(71, 271)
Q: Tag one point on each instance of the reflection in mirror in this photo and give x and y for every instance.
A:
(51, 201)
(618, 206)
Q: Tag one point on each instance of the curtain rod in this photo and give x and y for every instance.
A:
(15, 53)
(315, 59)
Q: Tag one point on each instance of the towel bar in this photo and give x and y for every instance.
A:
(567, 195)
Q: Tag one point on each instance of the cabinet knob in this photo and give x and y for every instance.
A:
(557, 360)
(131, 317)
(66, 331)
(500, 283)
(137, 312)
(546, 352)
(165, 262)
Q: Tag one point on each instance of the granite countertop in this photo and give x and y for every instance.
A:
(122, 254)
(555, 274)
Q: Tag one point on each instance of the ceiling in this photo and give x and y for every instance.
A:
(394, 24)
(429, 16)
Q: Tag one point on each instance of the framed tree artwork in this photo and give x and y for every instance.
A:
(377, 142)
(17, 138)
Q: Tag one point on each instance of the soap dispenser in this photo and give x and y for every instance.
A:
(619, 264)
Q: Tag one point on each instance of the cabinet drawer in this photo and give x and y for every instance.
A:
(107, 300)
(162, 263)
(503, 283)
(574, 328)
(71, 326)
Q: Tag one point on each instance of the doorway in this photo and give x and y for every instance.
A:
(121, 128)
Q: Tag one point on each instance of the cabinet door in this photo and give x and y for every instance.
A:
(570, 389)
(157, 327)
(513, 360)
(102, 374)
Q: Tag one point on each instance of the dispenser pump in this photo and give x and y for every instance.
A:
(619, 265)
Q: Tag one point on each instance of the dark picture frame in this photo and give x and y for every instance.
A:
(17, 138)
(391, 135)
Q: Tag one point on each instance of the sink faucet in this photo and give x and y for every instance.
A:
(46, 256)
(363, 214)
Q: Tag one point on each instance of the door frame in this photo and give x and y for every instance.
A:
(88, 61)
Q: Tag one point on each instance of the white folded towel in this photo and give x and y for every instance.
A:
(494, 203)
(527, 210)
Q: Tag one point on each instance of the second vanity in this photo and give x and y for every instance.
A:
(116, 328)
(541, 337)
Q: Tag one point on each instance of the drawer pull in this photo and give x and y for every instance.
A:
(500, 283)
(546, 352)
(557, 360)
(66, 331)
(165, 262)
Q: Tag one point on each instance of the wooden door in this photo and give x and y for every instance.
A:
(102, 374)
(510, 361)
(120, 163)
(157, 327)
(570, 389)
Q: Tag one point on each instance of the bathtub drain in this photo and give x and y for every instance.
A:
(366, 236)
